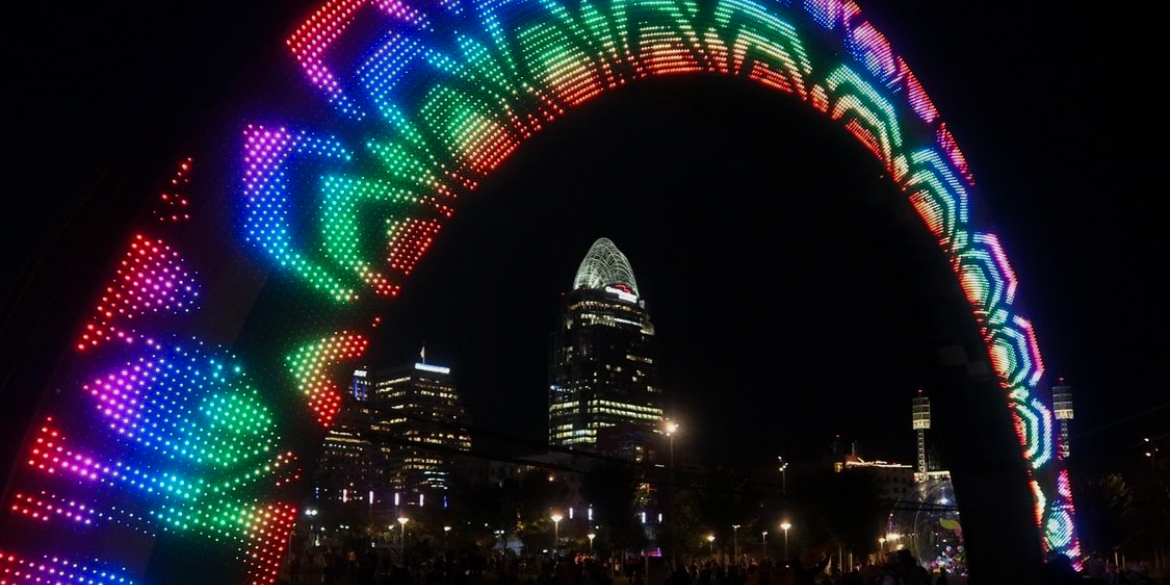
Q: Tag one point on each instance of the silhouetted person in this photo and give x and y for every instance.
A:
(942, 578)
(1059, 571)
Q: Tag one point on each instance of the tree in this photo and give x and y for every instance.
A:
(844, 507)
(1105, 512)
(612, 488)
(724, 499)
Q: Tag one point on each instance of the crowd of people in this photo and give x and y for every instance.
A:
(331, 566)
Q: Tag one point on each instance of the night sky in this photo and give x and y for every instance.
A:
(722, 196)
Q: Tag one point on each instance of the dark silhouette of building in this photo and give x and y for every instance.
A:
(602, 370)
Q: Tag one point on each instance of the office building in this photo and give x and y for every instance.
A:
(602, 370)
(419, 409)
(398, 437)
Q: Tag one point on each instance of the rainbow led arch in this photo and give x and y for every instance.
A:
(418, 104)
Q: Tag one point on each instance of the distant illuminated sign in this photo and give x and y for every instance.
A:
(430, 368)
(621, 294)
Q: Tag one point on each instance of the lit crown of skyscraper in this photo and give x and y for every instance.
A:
(604, 266)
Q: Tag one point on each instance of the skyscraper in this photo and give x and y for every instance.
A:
(418, 405)
(398, 435)
(602, 372)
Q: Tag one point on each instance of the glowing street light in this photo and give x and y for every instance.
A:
(446, 539)
(711, 545)
(783, 476)
(556, 518)
(402, 520)
(785, 525)
(591, 537)
(672, 428)
(763, 544)
(735, 537)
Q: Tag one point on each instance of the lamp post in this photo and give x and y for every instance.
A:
(310, 512)
(591, 537)
(446, 538)
(671, 428)
(735, 537)
(881, 547)
(763, 545)
(785, 525)
(556, 518)
(402, 520)
(783, 477)
(711, 545)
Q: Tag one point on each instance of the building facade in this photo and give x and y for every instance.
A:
(420, 410)
(602, 370)
(400, 434)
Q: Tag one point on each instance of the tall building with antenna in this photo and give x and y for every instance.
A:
(920, 422)
(602, 372)
(401, 433)
(1062, 406)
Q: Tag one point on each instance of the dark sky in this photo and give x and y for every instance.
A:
(719, 194)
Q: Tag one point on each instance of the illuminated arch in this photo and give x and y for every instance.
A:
(406, 118)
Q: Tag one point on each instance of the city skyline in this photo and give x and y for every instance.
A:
(1081, 263)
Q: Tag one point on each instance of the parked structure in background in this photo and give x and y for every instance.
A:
(1062, 407)
(920, 422)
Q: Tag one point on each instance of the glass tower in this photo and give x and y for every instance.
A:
(602, 372)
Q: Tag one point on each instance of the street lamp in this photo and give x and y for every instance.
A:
(446, 538)
(785, 525)
(711, 545)
(671, 429)
(591, 537)
(882, 546)
(735, 537)
(763, 545)
(556, 518)
(402, 520)
(783, 477)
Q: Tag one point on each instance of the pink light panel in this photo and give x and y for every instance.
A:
(152, 278)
